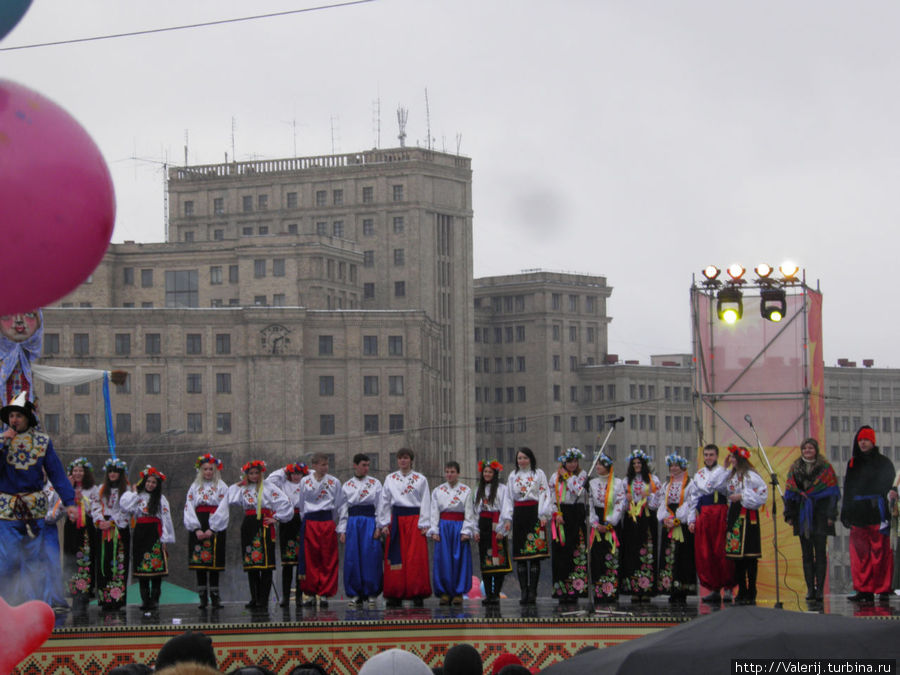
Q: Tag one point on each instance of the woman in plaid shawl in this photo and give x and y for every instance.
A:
(811, 506)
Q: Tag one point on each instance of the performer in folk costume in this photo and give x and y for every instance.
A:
(21, 341)
(206, 549)
(54, 593)
(532, 509)
(290, 534)
(710, 504)
(152, 531)
(568, 529)
(867, 490)
(452, 525)
(320, 500)
(637, 571)
(811, 498)
(358, 531)
(747, 492)
(262, 505)
(113, 536)
(26, 455)
(608, 502)
(80, 536)
(677, 571)
(404, 516)
(494, 510)
(894, 503)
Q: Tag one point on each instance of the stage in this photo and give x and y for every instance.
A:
(341, 638)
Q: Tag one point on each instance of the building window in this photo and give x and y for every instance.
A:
(278, 300)
(259, 268)
(152, 343)
(152, 383)
(326, 425)
(223, 343)
(399, 257)
(153, 423)
(195, 423)
(326, 345)
(398, 225)
(520, 333)
(368, 225)
(322, 228)
(370, 424)
(337, 229)
(395, 385)
(278, 267)
(223, 383)
(146, 278)
(51, 423)
(259, 300)
(557, 392)
(370, 385)
(82, 423)
(189, 236)
(128, 276)
(556, 300)
(370, 345)
(263, 229)
(326, 385)
(188, 207)
(368, 290)
(247, 231)
(51, 343)
(337, 197)
(215, 275)
(50, 388)
(123, 423)
(368, 195)
(573, 333)
(397, 193)
(194, 383)
(573, 363)
(181, 288)
(292, 200)
(556, 362)
(321, 197)
(82, 389)
(399, 289)
(219, 206)
(520, 364)
(395, 345)
(292, 228)
(193, 343)
(262, 202)
(247, 203)
(557, 329)
(368, 258)
(81, 344)
(123, 344)
(223, 423)
(395, 424)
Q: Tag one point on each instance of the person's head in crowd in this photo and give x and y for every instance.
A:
(186, 668)
(251, 670)
(189, 647)
(131, 669)
(309, 669)
(504, 660)
(395, 662)
(463, 659)
(514, 669)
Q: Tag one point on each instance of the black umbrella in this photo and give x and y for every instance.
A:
(709, 644)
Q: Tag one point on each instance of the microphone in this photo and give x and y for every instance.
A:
(616, 420)
(748, 420)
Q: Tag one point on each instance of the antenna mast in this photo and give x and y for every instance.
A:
(402, 116)
(185, 147)
(427, 120)
(376, 120)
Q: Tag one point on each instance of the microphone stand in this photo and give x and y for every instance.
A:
(773, 478)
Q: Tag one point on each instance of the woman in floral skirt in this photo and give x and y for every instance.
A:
(79, 536)
(206, 549)
(494, 510)
(607, 506)
(568, 529)
(532, 508)
(113, 536)
(677, 570)
(639, 529)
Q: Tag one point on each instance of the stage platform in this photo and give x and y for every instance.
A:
(341, 638)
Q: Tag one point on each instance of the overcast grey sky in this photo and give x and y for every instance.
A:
(639, 141)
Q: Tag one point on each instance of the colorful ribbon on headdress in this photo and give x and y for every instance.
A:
(676, 533)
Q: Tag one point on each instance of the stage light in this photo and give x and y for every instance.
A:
(729, 305)
(736, 272)
(711, 272)
(789, 271)
(763, 271)
(772, 304)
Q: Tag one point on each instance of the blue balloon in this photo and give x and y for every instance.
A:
(10, 13)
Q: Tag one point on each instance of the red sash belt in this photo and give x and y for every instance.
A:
(526, 502)
(266, 513)
(152, 519)
(453, 515)
(205, 508)
(753, 513)
(494, 517)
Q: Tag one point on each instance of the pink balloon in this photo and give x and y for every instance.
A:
(23, 629)
(57, 206)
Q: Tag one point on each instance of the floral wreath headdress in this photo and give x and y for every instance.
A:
(637, 453)
(296, 467)
(569, 455)
(113, 464)
(604, 459)
(208, 458)
(675, 458)
(152, 471)
(253, 464)
(79, 461)
(739, 450)
(493, 464)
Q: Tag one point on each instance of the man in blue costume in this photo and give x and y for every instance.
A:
(25, 455)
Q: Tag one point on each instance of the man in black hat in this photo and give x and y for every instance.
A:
(25, 455)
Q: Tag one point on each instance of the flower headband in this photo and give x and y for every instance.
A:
(152, 471)
(570, 455)
(637, 453)
(675, 458)
(115, 465)
(493, 464)
(208, 458)
(80, 461)
(604, 459)
(254, 464)
(739, 450)
(297, 467)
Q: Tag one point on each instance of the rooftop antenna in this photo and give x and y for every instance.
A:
(376, 120)
(185, 147)
(233, 154)
(427, 120)
(402, 116)
(458, 141)
(163, 165)
(335, 134)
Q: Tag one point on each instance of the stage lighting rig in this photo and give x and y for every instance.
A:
(729, 292)
(773, 304)
(730, 305)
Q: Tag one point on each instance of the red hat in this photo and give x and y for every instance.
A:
(505, 659)
(867, 433)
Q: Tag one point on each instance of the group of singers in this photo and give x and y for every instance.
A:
(605, 535)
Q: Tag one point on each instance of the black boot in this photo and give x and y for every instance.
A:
(534, 576)
(144, 585)
(214, 597)
(752, 569)
(265, 589)
(203, 592)
(809, 575)
(287, 576)
(821, 569)
(522, 573)
(155, 592)
(253, 582)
